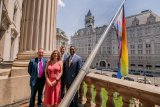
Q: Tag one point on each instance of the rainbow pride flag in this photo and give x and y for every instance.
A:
(120, 26)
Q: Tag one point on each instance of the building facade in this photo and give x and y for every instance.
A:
(61, 38)
(25, 26)
(10, 18)
(143, 32)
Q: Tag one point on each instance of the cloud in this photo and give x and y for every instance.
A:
(61, 3)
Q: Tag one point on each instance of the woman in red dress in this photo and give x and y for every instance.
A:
(53, 73)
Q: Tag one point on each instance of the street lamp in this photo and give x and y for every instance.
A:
(145, 79)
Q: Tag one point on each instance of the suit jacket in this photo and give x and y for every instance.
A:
(70, 72)
(33, 70)
(65, 56)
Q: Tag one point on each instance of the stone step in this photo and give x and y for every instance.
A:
(4, 72)
(6, 64)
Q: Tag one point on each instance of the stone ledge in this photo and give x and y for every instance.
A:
(17, 104)
(4, 72)
(20, 63)
(130, 84)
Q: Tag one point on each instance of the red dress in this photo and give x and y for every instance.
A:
(52, 94)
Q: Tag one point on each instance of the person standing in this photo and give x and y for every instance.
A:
(53, 73)
(63, 53)
(71, 69)
(36, 69)
(64, 56)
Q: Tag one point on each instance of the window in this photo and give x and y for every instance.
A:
(108, 50)
(135, 22)
(148, 46)
(140, 65)
(103, 50)
(132, 49)
(139, 51)
(148, 51)
(132, 65)
(139, 46)
(157, 66)
(148, 66)
(132, 46)
(151, 19)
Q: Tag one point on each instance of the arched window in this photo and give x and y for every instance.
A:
(135, 22)
(151, 19)
(102, 64)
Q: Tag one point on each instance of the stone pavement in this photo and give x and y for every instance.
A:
(26, 105)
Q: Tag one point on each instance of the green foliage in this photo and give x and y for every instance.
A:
(117, 98)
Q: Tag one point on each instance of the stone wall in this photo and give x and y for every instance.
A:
(14, 89)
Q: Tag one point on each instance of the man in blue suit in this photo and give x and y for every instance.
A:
(36, 69)
(71, 69)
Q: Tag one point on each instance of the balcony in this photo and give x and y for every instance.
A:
(96, 90)
(99, 90)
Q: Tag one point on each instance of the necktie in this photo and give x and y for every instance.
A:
(40, 68)
(70, 60)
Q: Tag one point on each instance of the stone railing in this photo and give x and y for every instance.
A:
(99, 90)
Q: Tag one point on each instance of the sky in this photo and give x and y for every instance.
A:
(71, 13)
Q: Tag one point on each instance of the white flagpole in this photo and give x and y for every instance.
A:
(76, 83)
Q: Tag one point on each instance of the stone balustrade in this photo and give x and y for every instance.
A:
(129, 93)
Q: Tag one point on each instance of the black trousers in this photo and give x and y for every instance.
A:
(37, 87)
(62, 90)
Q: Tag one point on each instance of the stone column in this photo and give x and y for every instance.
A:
(110, 102)
(38, 29)
(89, 93)
(98, 96)
(126, 100)
(81, 93)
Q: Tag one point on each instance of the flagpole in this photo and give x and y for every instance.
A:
(0, 10)
(85, 69)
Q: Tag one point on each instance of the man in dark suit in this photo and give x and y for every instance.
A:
(64, 56)
(71, 69)
(36, 69)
